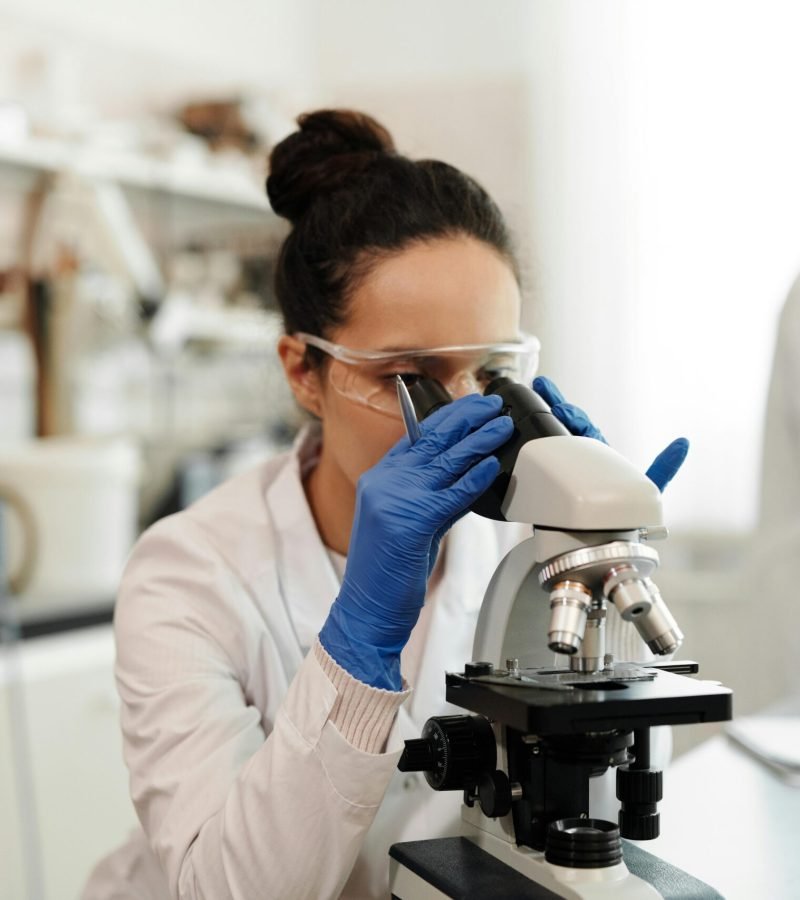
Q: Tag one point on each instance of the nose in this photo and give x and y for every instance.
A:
(462, 384)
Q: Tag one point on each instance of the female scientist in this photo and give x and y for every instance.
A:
(268, 637)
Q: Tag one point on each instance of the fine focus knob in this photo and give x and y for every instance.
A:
(453, 752)
(639, 790)
(494, 794)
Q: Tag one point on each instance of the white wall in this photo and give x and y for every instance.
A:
(246, 40)
(719, 245)
(666, 191)
(450, 79)
(119, 56)
(414, 42)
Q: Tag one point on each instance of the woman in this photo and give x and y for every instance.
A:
(269, 635)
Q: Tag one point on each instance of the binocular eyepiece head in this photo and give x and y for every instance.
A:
(531, 416)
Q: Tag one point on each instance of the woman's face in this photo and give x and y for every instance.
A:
(446, 292)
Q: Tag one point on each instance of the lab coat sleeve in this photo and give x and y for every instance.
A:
(230, 811)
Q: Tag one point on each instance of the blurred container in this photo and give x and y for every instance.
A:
(81, 497)
(17, 387)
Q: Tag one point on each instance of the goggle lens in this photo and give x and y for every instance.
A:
(373, 384)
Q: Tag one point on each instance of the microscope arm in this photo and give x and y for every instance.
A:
(576, 493)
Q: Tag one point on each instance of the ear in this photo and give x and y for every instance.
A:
(303, 379)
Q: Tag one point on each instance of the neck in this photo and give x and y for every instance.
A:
(332, 499)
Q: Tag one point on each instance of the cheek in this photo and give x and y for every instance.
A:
(359, 438)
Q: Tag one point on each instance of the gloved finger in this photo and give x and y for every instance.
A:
(576, 421)
(665, 466)
(457, 499)
(572, 417)
(453, 423)
(547, 390)
(452, 464)
(450, 412)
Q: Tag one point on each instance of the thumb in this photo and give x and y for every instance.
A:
(666, 465)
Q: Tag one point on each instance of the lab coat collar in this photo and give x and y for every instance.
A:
(308, 582)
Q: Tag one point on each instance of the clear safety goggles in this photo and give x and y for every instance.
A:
(368, 377)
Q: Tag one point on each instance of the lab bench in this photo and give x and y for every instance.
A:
(68, 619)
(725, 818)
(731, 822)
(64, 799)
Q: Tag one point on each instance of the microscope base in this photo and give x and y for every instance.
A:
(458, 869)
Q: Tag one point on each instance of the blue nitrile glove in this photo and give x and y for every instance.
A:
(405, 502)
(663, 468)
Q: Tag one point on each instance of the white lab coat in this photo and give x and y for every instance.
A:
(243, 785)
(246, 779)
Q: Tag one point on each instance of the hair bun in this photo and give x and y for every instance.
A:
(331, 146)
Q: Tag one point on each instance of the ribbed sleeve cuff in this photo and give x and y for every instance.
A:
(362, 714)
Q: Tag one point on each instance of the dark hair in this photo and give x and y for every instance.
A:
(352, 199)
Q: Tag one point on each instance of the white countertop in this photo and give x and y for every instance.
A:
(742, 834)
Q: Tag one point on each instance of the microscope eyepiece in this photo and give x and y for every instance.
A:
(532, 419)
(428, 395)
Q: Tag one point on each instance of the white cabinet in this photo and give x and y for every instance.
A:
(80, 785)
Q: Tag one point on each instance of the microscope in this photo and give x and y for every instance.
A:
(536, 732)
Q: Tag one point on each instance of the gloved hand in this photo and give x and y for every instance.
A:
(404, 505)
(663, 468)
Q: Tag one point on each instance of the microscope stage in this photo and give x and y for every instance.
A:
(594, 703)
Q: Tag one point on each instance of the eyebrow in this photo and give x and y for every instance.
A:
(391, 349)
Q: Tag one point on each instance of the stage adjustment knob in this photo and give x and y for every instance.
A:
(477, 669)
(453, 752)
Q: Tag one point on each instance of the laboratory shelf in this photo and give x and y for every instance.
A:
(195, 179)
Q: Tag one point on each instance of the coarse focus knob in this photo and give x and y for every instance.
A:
(417, 756)
(639, 791)
(453, 752)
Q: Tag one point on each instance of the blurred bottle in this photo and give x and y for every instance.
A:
(17, 387)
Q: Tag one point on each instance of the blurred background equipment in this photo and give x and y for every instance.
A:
(137, 370)
(17, 387)
(80, 495)
(780, 463)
